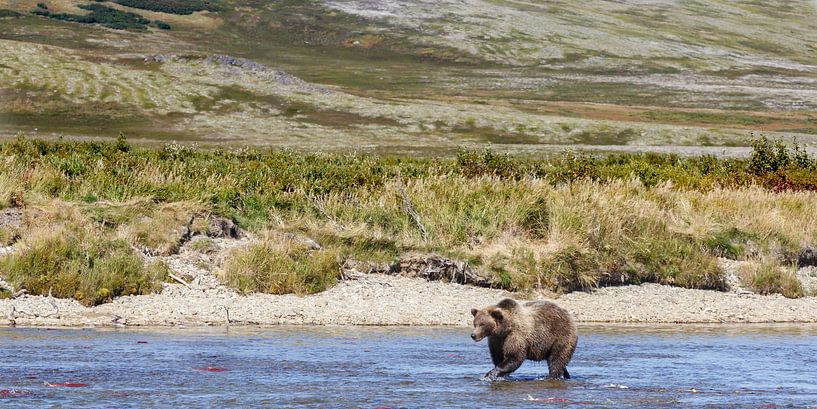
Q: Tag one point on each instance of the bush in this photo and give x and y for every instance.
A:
(281, 266)
(769, 278)
(4, 13)
(768, 156)
(171, 6)
(71, 263)
(99, 14)
(162, 25)
(489, 163)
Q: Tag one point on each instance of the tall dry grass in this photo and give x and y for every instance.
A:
(278, 264)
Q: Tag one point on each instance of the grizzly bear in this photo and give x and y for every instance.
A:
(535, 330)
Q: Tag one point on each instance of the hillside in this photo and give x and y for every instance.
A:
(413, 76)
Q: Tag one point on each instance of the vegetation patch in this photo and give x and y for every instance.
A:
(8, 235)
(768, 277)
(99, 14)
(162, 25)
(5, 13)
(163, 230)
(73, 262)
(182, 7)
(203, 245)
(564, 223)
(279, 265)
(709, 118)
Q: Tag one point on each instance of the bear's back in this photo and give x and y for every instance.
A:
(550, 322)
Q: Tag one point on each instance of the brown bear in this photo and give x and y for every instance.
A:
(535, 330)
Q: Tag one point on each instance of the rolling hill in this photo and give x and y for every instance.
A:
(413, 76)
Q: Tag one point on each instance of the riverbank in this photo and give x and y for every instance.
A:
(377, 299)
(123, 235)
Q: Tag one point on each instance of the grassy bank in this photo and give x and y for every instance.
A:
(565, 223)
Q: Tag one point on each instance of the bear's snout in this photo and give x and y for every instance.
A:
(474, 336)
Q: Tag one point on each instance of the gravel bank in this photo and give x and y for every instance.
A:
(392, 300)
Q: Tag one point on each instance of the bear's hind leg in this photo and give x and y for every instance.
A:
(557, 363)
(555, 368)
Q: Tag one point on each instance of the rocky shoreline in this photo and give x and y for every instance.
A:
(378, 299)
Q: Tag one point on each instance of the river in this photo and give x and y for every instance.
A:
(760, 366)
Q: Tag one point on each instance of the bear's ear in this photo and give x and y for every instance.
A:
(507, 304)
(474, 311)
(497, 314)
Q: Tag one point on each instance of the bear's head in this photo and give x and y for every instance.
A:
(492, 321)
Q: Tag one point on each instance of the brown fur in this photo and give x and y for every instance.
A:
(535, 330)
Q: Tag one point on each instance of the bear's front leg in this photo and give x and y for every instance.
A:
(507, 366)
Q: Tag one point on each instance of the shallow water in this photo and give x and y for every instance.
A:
(340, 367)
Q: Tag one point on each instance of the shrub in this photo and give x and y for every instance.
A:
(171, 6)
(4, 13)
(281, 266)
(768, 156)
(162, 25)
(99, 14)
(768, 277)
(572, 166)
(471, 164)
(73, 263)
